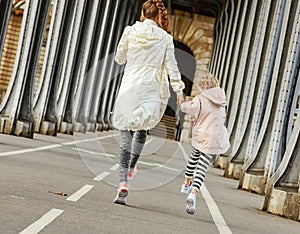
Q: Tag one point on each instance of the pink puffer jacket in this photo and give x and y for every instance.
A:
(207, 110)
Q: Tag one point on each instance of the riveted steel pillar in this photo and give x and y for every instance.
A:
(243, 119)
(237, 10)
(253, 169)
(70, 73)
(233, 11)
(5, 11)
(217, 42)
(42, 92)
(223, 42)
(17, 108)
(237, 50)
(49, 123)
(95, 12)
(91, 84)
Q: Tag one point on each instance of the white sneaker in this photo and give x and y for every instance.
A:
(191, 204)
(185, 189)
(122, 194)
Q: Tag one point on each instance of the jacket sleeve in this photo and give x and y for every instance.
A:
(172, 68)
(122, 48)
(192, 108)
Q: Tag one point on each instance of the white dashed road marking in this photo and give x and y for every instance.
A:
(115, 167)
(101, 176)
(81, 192)
(40, 224)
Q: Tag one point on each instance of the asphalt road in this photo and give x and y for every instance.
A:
(67, 184)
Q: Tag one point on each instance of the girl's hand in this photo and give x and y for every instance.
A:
(180, 99)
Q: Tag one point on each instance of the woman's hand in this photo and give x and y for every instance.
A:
(180, 99)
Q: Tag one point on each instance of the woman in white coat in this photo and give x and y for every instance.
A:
(148, 51)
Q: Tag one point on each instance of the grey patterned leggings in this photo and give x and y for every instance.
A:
(131, 145)
(202, 162)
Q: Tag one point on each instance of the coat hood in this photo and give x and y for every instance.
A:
(215, 95)
(146, 33)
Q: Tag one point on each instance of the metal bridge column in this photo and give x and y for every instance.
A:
(5, 11)
(91, 78)
(252, 177)
(70, 73)
(223, 42)
(95, 13)
(249, 76)
(49, 123)
(234, 11)
(237, 50)
(17, 107)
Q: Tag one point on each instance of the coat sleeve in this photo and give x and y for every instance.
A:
(172, 68)
(192, 108)
(122, 48)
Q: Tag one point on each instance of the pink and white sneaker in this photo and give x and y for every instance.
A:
(132, 173)
(122, 194)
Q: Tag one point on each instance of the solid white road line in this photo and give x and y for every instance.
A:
(40, 224)
(81, 192)
(50, 146)
(101, 176)
(87, 140)
(214, 211)
(29, 150)
(212, 206)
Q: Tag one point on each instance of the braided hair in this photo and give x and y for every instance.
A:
(154, 8)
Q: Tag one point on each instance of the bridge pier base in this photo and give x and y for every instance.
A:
(254, 183)
(222, 162)
(233, 170)
(284, 203)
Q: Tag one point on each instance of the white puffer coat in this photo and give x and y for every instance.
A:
(144, 91)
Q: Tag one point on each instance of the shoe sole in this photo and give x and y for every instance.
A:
(190, 209)
(120, 201)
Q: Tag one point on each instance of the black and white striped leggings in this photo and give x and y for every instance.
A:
(200, 161)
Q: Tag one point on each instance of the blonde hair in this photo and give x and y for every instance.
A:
(208, 81)
(152, 8)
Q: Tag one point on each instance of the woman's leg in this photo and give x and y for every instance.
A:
(138, 142)
(125, 151)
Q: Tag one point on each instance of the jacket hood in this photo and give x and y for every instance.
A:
(215, 95)
(147, 33)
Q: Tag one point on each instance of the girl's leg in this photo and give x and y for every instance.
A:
(124, 157)
(191, 165)
(204, 163)
(202, 167)
(138, 142)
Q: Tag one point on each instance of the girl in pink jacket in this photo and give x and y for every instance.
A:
(209, 135)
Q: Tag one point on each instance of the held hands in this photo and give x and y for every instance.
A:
(180, 99)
